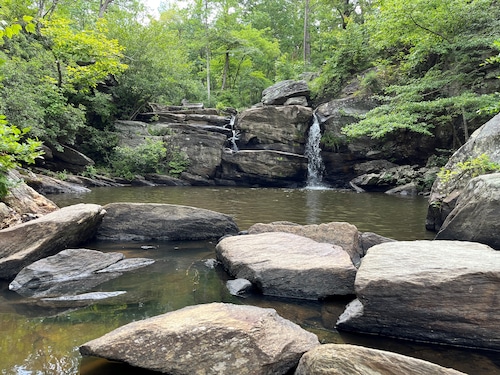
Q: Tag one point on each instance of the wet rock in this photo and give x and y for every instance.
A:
(26, 243)
(341, 234)
(434, 291)
(476, 214)
(332, 359)
(80, 300)
(239, 287)
(485, 140)
(287, 265)
(263, 167)
(281, 91)
(166, 222)
(410, 189)
(72, 271)
(214, 338)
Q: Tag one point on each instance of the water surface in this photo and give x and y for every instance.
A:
(36, 340)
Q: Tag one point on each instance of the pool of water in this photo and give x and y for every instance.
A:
(36, 340)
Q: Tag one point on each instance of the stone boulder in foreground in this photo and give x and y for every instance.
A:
(476, 214)
(287, 265)
(214, 338)
(437, 291)
(334, 359)
(26, 243)
(165, 222)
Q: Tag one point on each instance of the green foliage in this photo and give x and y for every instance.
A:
(332, 142)
(149, 157)
(470, 168)
(178, 162)
(14, 150)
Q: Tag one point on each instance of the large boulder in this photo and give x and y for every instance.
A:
(65, 158)
(263, 167)
(208, 339)
(484, 141)
(151, 221)
(202, 147)
(280, 92)
(22, 203)
(274, 128)
(437, 291)
(476, 214)
(341, 234)
(287, 265)
(332, 359)
(26, 243)
(72, 271)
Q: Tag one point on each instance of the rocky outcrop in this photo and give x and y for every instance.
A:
(341, 234)
(208, 339)
(71, 272)
(280, 92)
(203, 148)
(166, 222)
(476, 214)
(263, 167)
(433, 291)
(279, 128)
(26, 243)
(287, 265)
(65, 158)
(484, 141)
(332, 359)
(402, 180)
(22, 203)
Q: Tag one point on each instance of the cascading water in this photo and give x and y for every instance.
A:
(235, 134)
(315, 166)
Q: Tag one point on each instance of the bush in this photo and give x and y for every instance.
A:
(13, 151)
(150, 157)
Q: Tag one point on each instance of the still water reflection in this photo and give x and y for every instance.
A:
(36, 340)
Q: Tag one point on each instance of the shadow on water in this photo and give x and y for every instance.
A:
(37, 340)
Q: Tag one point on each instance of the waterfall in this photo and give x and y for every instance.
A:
(315, 166)
(235, 134)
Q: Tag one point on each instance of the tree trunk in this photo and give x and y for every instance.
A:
(225, 72)
(103, 7)
(307, 35)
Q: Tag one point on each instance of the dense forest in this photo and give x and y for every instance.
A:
(69, 69)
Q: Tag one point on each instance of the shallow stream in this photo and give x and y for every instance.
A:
(35, 340)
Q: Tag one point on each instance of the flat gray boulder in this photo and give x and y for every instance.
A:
(280, 92)
(342, 359)
(287, 265)
(341, 234)
(72, 271)
(433, 291)
(26, 243)
(213, 338)
(476, 214)
(165, 222)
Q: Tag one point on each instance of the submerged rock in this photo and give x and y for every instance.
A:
(437, 291)
(166, 222)
(332, 359)
(287, 265)
(213, 338)
(26, 243)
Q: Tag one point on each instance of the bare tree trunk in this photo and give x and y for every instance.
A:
(103, 7)
(466, 128)
(307, 35)
(208, 50)
(225, 72)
